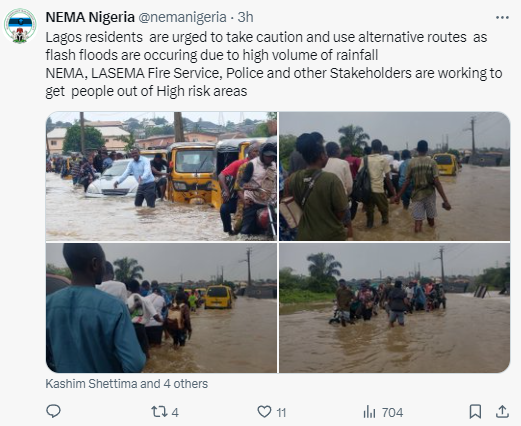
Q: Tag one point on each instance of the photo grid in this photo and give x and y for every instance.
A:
(290, 242)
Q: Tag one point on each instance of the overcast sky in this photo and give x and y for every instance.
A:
(366, 260)
(396, 129)
(166, 262)
(169, 115)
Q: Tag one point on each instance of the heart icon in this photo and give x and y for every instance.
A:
(264, 410)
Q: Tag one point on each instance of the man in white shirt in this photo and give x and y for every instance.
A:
(141, 311)
(115, 288)
(154, 329)
(342, 169)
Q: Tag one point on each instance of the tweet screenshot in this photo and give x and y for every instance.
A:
(252, 213)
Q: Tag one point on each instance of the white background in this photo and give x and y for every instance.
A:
(429, 399)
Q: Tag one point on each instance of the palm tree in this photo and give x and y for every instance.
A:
(353, 137)
(128, 269)
(323, 270)
(323, 265)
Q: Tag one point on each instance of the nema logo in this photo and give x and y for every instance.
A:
(20, 25)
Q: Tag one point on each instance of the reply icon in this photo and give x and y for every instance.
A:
(53, 410)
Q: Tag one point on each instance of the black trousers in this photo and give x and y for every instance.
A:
(146, 191)
(226, 214)
(249, 219)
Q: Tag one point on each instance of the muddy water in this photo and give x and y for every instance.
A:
(240, 340)
(472, 335)
(72, 216)
(480, 200)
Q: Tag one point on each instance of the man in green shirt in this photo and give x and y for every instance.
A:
(423, 171)
(327, 203)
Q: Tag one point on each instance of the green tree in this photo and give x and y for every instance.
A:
(55, 270)
(353, 137)
(156, 131)
(62, 124)
(160, 121)
(286, 147)
(49, 125)
(271, 115)
(130, 141)
(261, 131)
(495, 277)
(230, 126)
(93, 139)
(287, 280)
(198, 126)
(127, 269)
(454, 152)
(323, 270)
(133, 125)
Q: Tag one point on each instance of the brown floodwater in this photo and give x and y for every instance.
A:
(238, 340)
(72, 216)
(471, 336)
(480, 200)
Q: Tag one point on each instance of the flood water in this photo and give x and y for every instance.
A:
(471, 336)
(238, 340)
(72, 216)
(480, 200)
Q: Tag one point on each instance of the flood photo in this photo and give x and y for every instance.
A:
(161, 308)
(394, 308)
(161, 176)
(395, 176)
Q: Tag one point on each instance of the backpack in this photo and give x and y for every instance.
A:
(362, 185)
(175, 320)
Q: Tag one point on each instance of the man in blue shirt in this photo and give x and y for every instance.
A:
(87, 330)
(107, 162)
(142, 172)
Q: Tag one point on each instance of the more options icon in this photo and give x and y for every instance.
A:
(475, 411)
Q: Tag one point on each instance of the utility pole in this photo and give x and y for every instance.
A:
(472, 121)
(442, 249)
(248, 256)
(181, 278)
(222, 273)
(47, 143)
(178, 127)
(82, 133)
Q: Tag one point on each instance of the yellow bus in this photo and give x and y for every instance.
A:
(218, 296)
(447, 164)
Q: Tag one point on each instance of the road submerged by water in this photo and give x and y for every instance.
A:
(238, 340)
(480, 200)
(471, 336)
(70, 216)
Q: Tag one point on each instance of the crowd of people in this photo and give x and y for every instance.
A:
(322, 180)
(83, 170)
(99, 324)
(396, 301)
